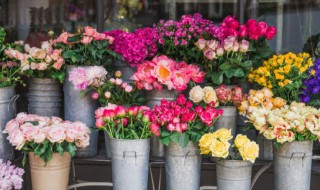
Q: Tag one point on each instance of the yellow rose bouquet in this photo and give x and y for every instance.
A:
(217, 144)
(283, 74)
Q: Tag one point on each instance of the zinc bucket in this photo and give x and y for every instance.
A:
(228, 120)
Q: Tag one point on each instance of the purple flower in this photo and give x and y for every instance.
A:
(10, 176)
(312, 83)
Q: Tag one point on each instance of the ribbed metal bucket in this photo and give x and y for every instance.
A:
(81, 109)
(51, 176)
(45, 97)
(154, 98)
(130, 164)
(126, 70)
(108, 145)
(183, 167)
(234, 175)
(228, 120)
(292, 166)
(7, 112)
(265, 148)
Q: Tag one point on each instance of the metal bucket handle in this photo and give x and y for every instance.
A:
(258, 174)
(127, 154)
(12, 102)
(301, 155)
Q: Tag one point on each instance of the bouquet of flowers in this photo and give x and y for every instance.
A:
(124, 123)
(176, 39)
(165, 71)
(9, 62)
(283, 74)
(45, 136)
(311, 84)
(217, 145)
(112, 90)
(10, 176)
(44, 62)
(229, 55)
(87, 49)
(179, 122)
(135, 47)
(221, 96)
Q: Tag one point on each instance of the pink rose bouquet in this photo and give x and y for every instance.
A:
(124, 123)
(44, 62)
(163, 71)
(11, 177)
(86, 49)
(44, 135)
(178, 121)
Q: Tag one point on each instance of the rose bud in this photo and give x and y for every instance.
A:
(95, 95)
(118, 74)
(125, 121)
(107, 94)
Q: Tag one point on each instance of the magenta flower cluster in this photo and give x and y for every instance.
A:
(183, 31)
(10, 176)
(135, 47)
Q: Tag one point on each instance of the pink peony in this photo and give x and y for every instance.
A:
(86, 39)
(223, 94)
(263, 28)
(271, 32)
(120, 111)
(128, 89)
(155, 129)
(99, 122)
(89, 31)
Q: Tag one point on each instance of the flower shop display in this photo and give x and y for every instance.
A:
(180, 126)
(235, 167)
(50, 143)
(129, 133)
(311, 90)
(283, 74)
(233, 49)
(9, 78)
(11, 177)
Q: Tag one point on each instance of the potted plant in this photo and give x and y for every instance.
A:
(50, 143)
(180, 126)
(293, 128)
(129, 132)
(164, 78)
(11, 177)
(233, 170)
(9, 78)
(89, 48)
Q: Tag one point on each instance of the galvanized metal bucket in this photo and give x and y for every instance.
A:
(108, 145)
(292, 166)
(7, 112)
(127, 71)
(228, 120)
(183, 167)
(154, 98)
(81, 109)
(130, 164)
(45, 97)
(236, 174)
(265, 148)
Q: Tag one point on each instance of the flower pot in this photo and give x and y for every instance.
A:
(183, 166)
(233, 174)
(7, 112)
(51, 176)
(107, 145)
(292, 165)
(228, 119)
(265, 148)
(130, 164)
(127, 71)
(154, 98)
(45, 97)
(81, 109)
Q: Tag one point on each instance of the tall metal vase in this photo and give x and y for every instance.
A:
(7, 112)
(81, 109)
(292, 165)
(265, 148)
(228, 120)
(130, 164)
(154, 98)
(183, 166)
(45, 97)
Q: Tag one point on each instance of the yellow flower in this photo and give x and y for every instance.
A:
(281, 84)
(278, 102)
(209, 95)
(205, 143)
(249, 151)
(220, 148)
(241, 140)
(286, 81)
(223, 134)
(313, 72)
(243, 107)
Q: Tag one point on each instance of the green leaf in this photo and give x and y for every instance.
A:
(217, 78)
(225, 66)
(165, 133)
(184, 140)
(68, 54)
(246, 64)
(198, 125)
(175, 136)
(59, 149)
(74, 38)
(238, 73)
(165, 141)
